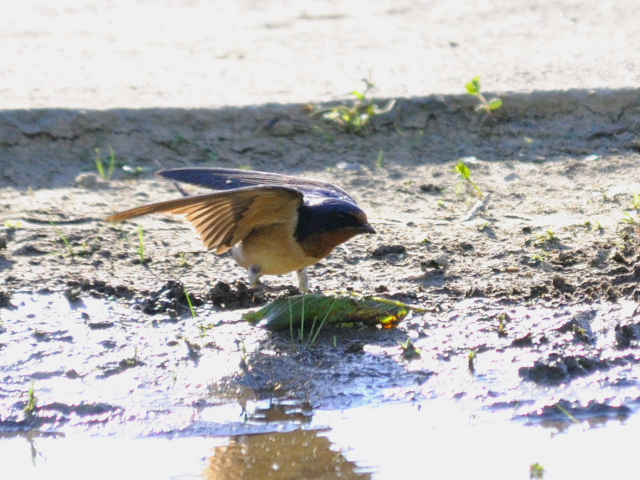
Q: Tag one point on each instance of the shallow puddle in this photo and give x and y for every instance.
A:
(124, 394)
(404, 440)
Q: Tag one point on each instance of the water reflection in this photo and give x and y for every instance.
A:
(300, 454)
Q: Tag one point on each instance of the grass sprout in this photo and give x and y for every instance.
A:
(628, 218)
(72, 252)
(473, 353)
(108, 173)
(354, 118)
(188, 297)
(302, 338)
(141, 243)
(32, 400)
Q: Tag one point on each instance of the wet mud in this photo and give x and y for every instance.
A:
(527, 309)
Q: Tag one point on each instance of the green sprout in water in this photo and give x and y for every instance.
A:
(465, 174)
(380, 160)
(358, 116)
(108, 173)
(486, 106)
(636, 201)
(32, 401)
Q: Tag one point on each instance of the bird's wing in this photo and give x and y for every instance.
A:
(225, 218)
(228, 178)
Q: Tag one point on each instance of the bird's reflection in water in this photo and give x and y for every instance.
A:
(299, 454)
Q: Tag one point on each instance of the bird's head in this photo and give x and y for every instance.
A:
(326, 223)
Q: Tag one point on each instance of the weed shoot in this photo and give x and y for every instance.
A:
(486, 106)
(358, 116)
(465, 174)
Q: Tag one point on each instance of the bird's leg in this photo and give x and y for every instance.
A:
(254, 274)
(303, 280)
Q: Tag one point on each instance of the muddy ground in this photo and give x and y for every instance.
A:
(527, 307)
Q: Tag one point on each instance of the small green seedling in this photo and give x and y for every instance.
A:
(188, 297)
(358, 116)
(140, 249)
(177, 141)
(486, 106)
(409, 351)
(628, 218)
(541, 256)
(536, 471)
(465, 174)
(502, 326)
(636, 201)
(380, 160)
(108, 173)
(32, 400)
(473, 353)
(72, 252)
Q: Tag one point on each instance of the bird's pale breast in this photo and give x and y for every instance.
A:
(274, 249)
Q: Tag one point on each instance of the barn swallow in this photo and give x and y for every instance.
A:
(273, 224)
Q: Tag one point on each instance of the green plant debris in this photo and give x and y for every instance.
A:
(465, 174)
(294, 312)
(380, 160)
(358, 116)
(108, 173)
(486, 106)
(636, 201)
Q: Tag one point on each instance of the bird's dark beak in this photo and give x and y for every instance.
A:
(366, 228)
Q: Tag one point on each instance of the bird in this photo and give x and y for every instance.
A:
(273, 224)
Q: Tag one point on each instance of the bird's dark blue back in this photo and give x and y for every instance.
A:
(228, 178)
